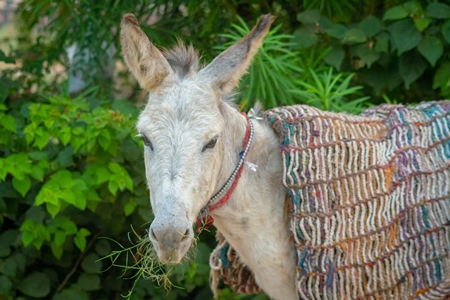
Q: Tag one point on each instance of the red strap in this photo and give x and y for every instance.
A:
(207, 221)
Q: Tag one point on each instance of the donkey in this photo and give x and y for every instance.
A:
(193, 135)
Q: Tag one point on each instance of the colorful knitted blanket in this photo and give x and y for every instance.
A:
(370, 203)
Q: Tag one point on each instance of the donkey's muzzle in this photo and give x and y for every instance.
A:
(171, 241)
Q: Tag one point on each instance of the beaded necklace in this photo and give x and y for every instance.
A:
(204, 219)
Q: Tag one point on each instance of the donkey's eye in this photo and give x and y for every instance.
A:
(147, 142)
(211, 144)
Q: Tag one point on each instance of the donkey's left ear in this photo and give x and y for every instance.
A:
(144, 60)
(225, 71)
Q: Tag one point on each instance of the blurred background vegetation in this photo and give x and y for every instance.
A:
(71, 170)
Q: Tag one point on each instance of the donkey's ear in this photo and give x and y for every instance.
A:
(226, 70)
(143, 59)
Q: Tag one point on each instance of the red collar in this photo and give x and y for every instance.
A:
(204, 219)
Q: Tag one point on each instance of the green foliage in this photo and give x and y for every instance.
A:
(408, 45)
(36, 285)
(328, 92)
(71, 169)
(273, 77)
(274, 65)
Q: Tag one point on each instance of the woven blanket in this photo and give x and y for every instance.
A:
(370, 203)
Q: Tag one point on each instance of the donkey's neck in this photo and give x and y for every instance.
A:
(264, 152)
(255, 219)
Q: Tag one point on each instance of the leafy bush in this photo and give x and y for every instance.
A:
(277, 77)
(402, 54)
(71, 172)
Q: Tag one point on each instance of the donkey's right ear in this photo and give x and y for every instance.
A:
(143, 59)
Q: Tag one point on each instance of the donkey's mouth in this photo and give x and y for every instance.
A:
(172, 247)
(173, 256)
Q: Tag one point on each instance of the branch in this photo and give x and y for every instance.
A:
(77, 263)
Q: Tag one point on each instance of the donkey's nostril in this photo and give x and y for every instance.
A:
(185, 235)
(153, 235)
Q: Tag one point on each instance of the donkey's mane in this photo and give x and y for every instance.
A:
(183, 59)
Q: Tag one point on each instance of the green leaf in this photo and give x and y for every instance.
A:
(93, 196)
(69, 197)
(405, 35)
(41, 234)
(129, 208)
(79, 130)
(27, 238)
(335, 56)
(18, 165)
(41, 138)
(48, 123)
(7, 190)
(115, 167)
(72, 293)
(60, 238)
(80, 200)
(102, 174)
(9, 267)
(309, 16)
(422, 23)
(395, 13)
(37, 172)
(23, 185)
(53, 209)
(36, 214)
(27, 225)
(103, 247)
(69, 226)
(411, 66)
(80, 242)
(65, 135)
(65, 157)
(5, 285)
(413, 7)
(36, 285)
(8, 122)
(47, 194)
(336, 31)
(382, 42)
(303, 38)
(5, 250)
(57, 250)
(324, 24)
(442, 76)
(89, 282)
(91, 263)
(38, 155)
(104, 139)
(431, 48)
(438, 10)
(354, 36)
(128, 182)
(446, 31)
(371, 26)
(368, 55)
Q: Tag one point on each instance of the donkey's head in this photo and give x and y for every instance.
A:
(181, 127)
